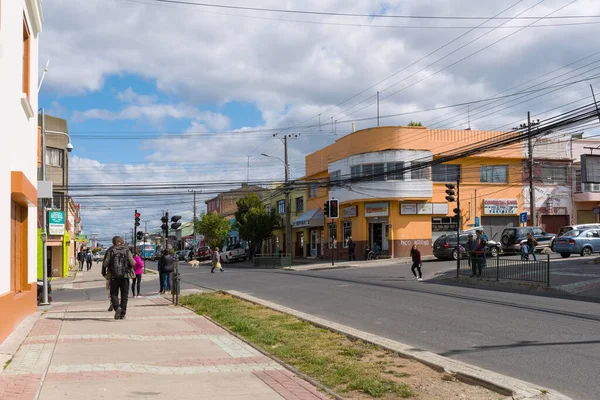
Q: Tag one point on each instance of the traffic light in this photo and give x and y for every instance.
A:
(450, 192)
(137, 218)
(175, 224)
(165, 223)
(456, 216)
(326, 209)
(334, 208)
(140, 235)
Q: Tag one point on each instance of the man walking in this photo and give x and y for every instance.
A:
(119, 262)
(88, 259)
(81, 259)
(351, 248)
(166, 267)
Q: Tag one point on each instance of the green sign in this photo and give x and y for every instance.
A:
(56, 222)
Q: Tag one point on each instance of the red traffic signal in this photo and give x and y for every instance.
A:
(137, 214)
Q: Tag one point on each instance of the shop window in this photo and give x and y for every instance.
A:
(347, 232)
(554, 175)
(299, 204)
(494, 173)
(395, 171)
(445, 172)
(419, 171)
(313, 190)
(281, 206)
(332, 233)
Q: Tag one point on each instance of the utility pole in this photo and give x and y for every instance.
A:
(288, 208)
(377, 109)
(195, 215)
(530, 165)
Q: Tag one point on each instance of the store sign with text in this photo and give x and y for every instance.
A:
(377, 209)
(56, 222)
(350, 212)
(501, 206)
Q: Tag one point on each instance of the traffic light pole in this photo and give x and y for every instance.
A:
(458, 223)
(288, 206)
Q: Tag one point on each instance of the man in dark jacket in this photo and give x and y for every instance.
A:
(81, 259)
(119, 262)
(166, 266)
(351, 249)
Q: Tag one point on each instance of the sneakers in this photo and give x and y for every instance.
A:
(420, 279)
(118, 313)
(110, 308)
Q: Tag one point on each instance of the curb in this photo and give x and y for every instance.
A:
(513, 388)
(272, 357)
(12, 343)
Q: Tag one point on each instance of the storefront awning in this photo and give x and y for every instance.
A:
(311, 218)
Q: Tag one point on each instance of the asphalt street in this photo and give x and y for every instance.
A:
(549, 341)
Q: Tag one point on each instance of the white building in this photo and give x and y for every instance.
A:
(20, 26)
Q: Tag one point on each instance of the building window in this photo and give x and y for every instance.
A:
(347, 232)
(335, 176)
(554, 175)
(54, 157)
(378, 172)
(367, 172)
(419, 171)
(494, 173)
(355, 172)
(299, 204)
(313, 190)
(281, 206)
(26, 58)
(395, 171)
(445, 173)
(332, 234)
(268, 208)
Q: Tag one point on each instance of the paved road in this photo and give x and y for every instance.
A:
(552, 342)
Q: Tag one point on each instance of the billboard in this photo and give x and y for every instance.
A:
(590, 168)
(56, 222)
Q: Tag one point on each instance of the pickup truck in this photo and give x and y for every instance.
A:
(233, 253)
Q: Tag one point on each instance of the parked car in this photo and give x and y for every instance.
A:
(511, 238)
(444, 248)
(233, 253)
(181, 255)
(578, 227)
(203, 253)
(583, 242)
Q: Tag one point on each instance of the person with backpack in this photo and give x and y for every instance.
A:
(166, 265)
(119, 262)
(88, 259)
(139, 270)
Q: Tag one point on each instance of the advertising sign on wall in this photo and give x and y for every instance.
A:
(408, 208)
(425, 208)
(501, 206)
(377, 209)
(56, 222)
(350, 212)
(440, 208)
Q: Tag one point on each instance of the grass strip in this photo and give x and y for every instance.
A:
(330, 358)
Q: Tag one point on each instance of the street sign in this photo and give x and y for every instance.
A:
(56, 222)
(523, 217)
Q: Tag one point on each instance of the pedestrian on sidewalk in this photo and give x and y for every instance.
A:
(531, 244)
(119, 262)
(81, 259)
(139, 270)
(351, 248)
(88, 259)
(216, 261)
(166, 265)
(415, 254)
(478, 255)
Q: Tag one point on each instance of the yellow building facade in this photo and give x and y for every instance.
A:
(390, 203)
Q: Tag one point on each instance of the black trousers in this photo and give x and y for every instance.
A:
(418, 268)
(351, 255)
(137, 282)
(119, 285)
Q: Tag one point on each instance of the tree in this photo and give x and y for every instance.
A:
(413, 123)
(254, 223)
(214, 227)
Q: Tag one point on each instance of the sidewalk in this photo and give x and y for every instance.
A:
(77, 350)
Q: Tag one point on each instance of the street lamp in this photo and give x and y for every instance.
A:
(69, 148)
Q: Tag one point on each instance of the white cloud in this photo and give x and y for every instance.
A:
(130, 96)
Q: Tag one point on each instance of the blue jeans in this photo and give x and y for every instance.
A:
(166, 279)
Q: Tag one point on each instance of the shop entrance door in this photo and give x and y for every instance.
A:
(376, 235)
(314, 241)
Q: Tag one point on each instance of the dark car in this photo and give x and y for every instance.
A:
(444, 248)
(203, 253)
(511, 238)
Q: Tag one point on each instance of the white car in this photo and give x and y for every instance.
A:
(233, 253)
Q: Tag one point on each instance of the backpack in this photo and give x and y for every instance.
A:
(119, 265)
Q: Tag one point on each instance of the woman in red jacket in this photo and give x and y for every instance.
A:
(415, 253)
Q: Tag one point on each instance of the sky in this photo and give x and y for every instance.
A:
(157, 92)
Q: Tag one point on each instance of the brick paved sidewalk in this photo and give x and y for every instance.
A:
(78, 351)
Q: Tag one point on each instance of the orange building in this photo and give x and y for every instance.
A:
(397, 208)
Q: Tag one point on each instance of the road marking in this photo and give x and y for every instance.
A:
(342, 285)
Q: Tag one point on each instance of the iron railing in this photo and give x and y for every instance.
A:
(506, 267)
(272, 260)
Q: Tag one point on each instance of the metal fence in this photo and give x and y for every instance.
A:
(507, 267)
(273, 260)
